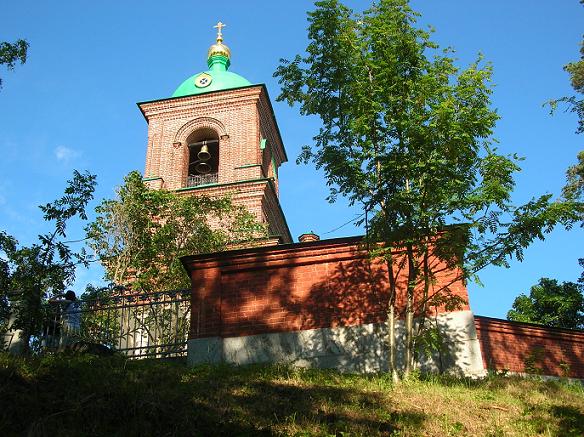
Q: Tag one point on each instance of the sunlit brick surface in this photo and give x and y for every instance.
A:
(523, 347)
(241, 118)
(302, 286)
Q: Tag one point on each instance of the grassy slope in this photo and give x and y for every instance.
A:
(87, 395)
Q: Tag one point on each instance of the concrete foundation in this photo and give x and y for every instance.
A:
(360, 349)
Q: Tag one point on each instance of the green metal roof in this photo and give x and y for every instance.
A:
(217, 78)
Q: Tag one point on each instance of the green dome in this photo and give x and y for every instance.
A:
(216, 78)
(219, 80)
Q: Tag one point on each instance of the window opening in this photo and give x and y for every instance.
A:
(203, 161)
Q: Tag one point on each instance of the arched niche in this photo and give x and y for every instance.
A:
(202, 167)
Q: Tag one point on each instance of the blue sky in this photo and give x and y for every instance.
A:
(72, 105)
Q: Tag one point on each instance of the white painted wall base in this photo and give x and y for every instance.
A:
(360, 349)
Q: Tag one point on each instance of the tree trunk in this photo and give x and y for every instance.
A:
(422, 314)
(409, 346)
(392, 345)
(16, 339)
(391, 320)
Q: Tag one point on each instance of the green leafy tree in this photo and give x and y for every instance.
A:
(140, 236)
(11, 53)
(7, 244)
(29, 275)
(407, 134)
(552, 304)
(581, 280)
(574, 188)
(575, 104)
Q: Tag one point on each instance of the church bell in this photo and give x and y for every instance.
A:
(202, 167)
(204, 154)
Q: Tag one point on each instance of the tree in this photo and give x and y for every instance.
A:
(10, 53)
(574, 104)
(140, 236)
(7, 244)
(574, 188)
(31, 274)
(552, 304)
(407, 134)
(581, 279)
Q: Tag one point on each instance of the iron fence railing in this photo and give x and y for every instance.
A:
(137, 324)
(202, 179)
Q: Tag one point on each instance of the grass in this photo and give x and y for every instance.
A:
(88, 395)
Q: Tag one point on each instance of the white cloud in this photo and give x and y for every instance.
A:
(65, 154)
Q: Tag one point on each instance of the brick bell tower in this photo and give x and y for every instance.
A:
(218, 135)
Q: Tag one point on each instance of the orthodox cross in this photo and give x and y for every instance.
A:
(219, 26)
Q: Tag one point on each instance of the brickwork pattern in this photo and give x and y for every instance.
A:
(323, 284)
(241, 118)
(523, 347)
(254, 196)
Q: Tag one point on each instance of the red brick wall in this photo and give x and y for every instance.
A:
(519, 347)
(258, 197)
(241, 118)
(300, 286)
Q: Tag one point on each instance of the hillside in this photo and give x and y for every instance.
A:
(88, 395)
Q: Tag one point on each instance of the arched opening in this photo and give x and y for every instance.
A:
(203, 165)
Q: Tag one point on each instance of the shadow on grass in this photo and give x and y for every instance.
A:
(554, 420)
(327, 409)
(111, 396)
(496, 382)
(571, 420)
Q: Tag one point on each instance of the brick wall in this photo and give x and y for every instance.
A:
(525, 348)
(241, 118)
(258, 196)
(328, 283)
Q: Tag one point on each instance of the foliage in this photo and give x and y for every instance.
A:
(574, 103)
(30, 274)
(119, 321)
(407, 133)
(140, 236)
(532, 363)
(10, 53)
(100, 316)
(574, 188)
(581, 279)
(552, 304)
(138, 323)
(88, 395)
(7, 244)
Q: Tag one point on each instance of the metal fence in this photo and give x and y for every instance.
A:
(139, 325)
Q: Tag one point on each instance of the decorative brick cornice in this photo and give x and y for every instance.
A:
(293, 253)
(174, 104)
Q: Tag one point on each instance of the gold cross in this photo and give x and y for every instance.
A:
(219, 26)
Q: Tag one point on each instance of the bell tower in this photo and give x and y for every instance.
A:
(218, 135)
